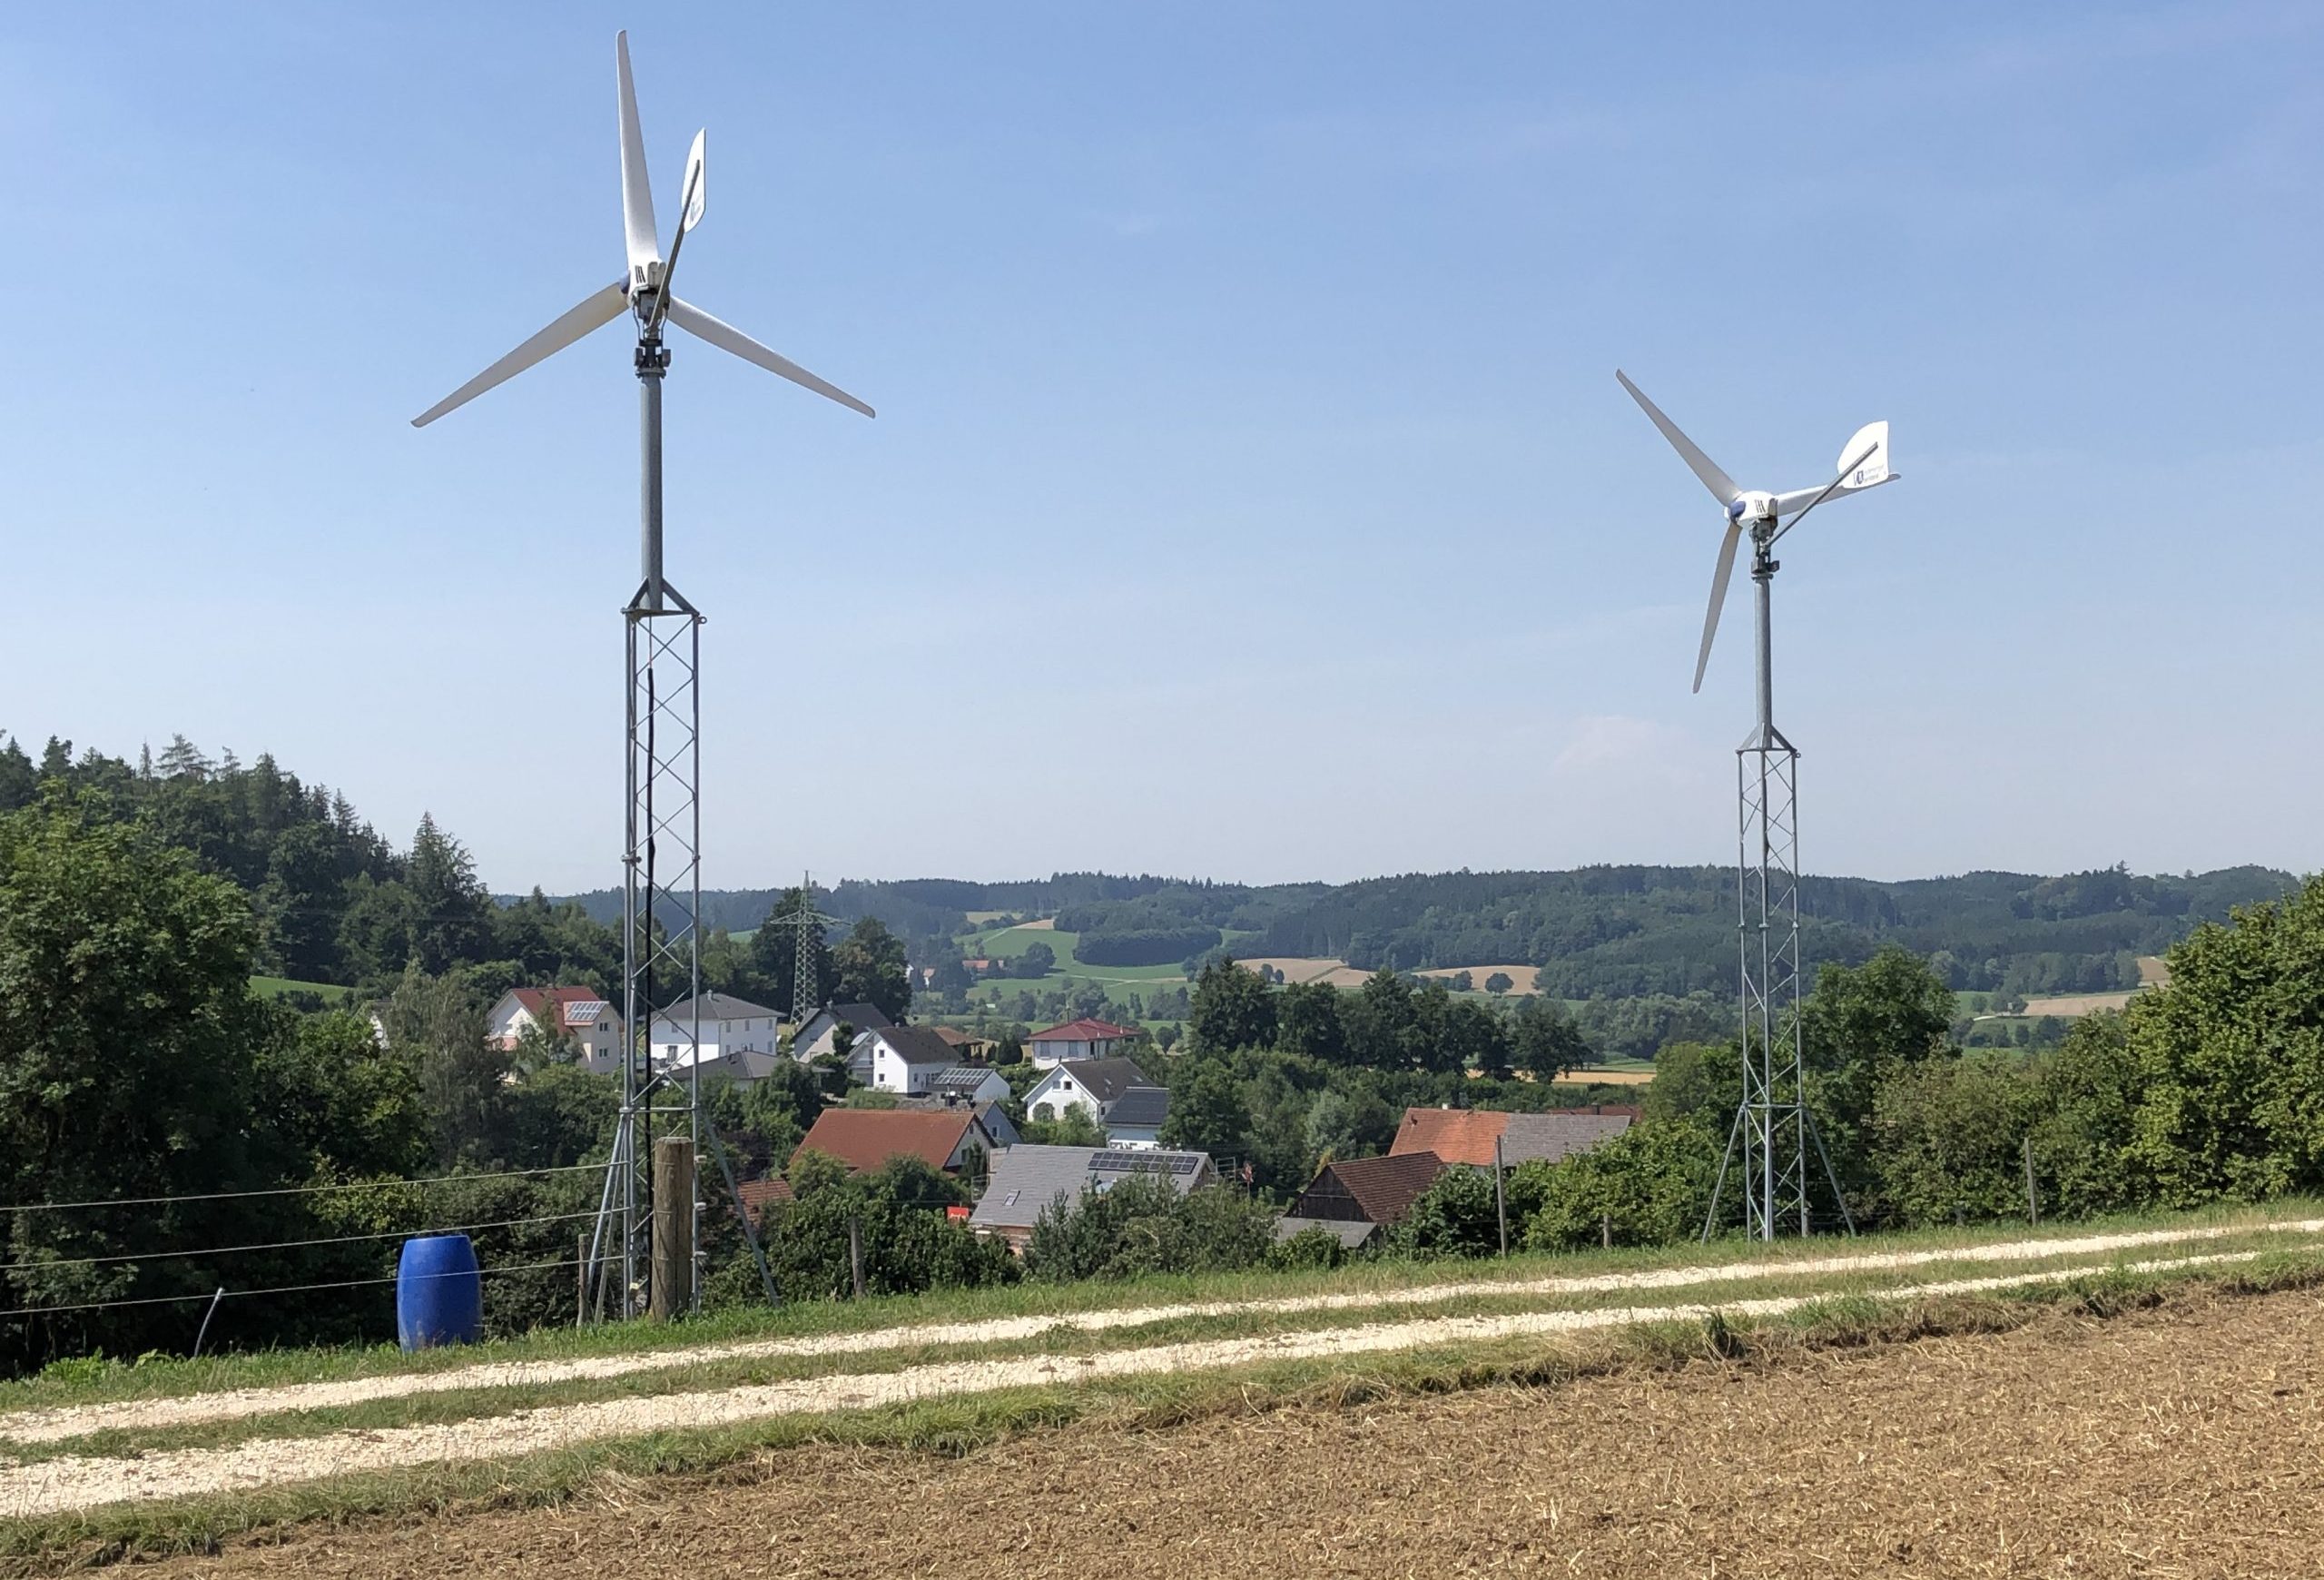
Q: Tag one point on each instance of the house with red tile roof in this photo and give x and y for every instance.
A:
(578, 1012)
(1086, 1038)
(864, 1139)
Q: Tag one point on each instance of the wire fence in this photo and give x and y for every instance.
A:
(16, 1270)
(382, 1184)
(225, 1294)
(43, 1266)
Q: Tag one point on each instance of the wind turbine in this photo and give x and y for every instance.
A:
(662, 897)
(1774, 1131)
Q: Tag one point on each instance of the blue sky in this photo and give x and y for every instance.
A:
(1251, 495)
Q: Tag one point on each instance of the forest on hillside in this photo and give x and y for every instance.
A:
(1605, 932)
(335, 901)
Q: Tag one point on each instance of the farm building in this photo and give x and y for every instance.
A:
(1078, 1040)
(1466, 1135)
(866, 1137)
(1357, 1198)
(1026, 1181)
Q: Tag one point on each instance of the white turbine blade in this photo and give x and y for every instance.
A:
(637, 193)
(1717, 596)
(727, 338)
(691, 186)
(1717, 481)
(600, 309)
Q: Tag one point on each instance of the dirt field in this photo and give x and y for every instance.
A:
(1591, 1075)
(2184, 1443)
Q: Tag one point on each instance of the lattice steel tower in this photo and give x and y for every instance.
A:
(661, 812)
(1769, 1144)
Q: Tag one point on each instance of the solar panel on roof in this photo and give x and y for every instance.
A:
(1125, 1160)
(583, 1015)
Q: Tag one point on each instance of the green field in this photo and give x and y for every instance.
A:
(268, 987)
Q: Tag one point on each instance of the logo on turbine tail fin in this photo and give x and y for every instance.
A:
(1875, 467)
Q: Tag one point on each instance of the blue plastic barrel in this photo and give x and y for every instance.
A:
(439, 1297)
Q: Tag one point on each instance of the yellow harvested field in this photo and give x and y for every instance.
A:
(1586, 1077)
(1301, 968)
(2152, 971)
(1520, 977)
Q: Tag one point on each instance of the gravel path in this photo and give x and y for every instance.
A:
(60, 1486)
(56, 1425)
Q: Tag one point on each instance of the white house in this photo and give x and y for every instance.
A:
(728, 1025)
(904, 1059)
(1091, 1085)
(573, 1011)
(971, 1084)
(1082, 1039)
(820, 1035)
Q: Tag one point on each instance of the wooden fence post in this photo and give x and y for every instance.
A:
(670, 1293)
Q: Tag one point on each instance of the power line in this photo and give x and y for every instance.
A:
(276, 1290)
(291, 1189)
(288, 1244)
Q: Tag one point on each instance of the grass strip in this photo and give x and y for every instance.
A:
(161, 1378)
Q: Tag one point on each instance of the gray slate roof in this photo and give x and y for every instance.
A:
(1141, 1108)
(1106, 1078)
(1025, 1180)
(862, 1017)
(918, 1045)
(1547, 1136)
(716, 1007)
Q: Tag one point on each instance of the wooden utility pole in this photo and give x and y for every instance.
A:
(581, 1280)
(2033, 1202)
(671, 1289)
(855, 1253)
(1499, 1197)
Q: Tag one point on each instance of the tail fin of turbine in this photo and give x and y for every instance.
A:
(1875, 469)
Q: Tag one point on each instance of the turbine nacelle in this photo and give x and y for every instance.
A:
(1753, 505)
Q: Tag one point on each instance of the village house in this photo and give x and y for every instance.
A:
(578, 1013)
(1078, 1040)
(1025, 1182)
(992, 1115)
(820, 1035)
(1135, 1120)
(1091, 1085)
(904, 1059)
(864, 1139)
(1355, 1199)
(727, 1024)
